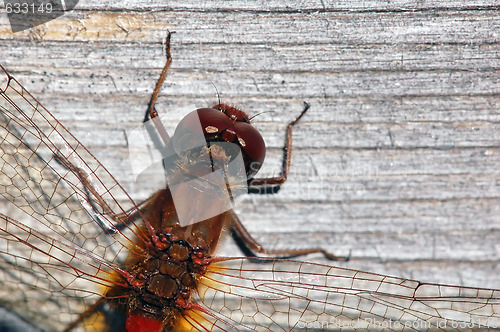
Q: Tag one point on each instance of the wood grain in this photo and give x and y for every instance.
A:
(398, 159)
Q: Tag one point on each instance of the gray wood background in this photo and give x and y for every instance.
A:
(398, 159)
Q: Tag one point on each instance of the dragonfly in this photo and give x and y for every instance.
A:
(77, 253)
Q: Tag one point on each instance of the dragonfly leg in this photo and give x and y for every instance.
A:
(272, 185)
(151, 112)
(98, 204)
(251, 247)
(124, 219)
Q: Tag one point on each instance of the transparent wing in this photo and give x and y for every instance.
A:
(52, 177)
(47, 276)
(283, 295)
(56, 187)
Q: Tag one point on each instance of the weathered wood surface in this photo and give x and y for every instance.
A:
(397, 160)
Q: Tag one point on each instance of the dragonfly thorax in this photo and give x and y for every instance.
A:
(164, 281)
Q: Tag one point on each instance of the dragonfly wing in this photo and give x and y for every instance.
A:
(51, 200)
(283, 295)
(41, 275)
(44, 169)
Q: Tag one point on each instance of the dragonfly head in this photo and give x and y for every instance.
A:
(220, 125)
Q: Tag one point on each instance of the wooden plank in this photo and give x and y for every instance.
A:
(278, 58)
(397, 159)
(459, 27)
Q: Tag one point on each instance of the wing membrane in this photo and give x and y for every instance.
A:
(283, 295)
(53, 202)
(42, 276)
(44, 169)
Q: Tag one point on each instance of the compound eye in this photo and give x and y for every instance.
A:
(252, 144)
(213, 121)
(217, 125)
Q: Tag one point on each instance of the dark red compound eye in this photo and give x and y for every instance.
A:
(228, 124)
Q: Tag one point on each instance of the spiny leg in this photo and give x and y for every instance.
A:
(272, 185)
(251, 247)
(151, 112)
(121, 220)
